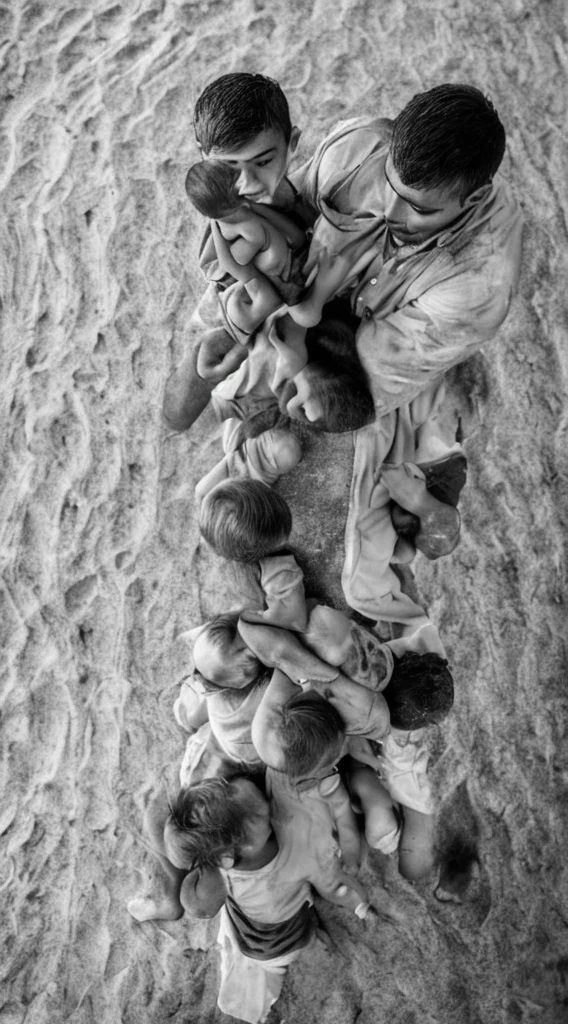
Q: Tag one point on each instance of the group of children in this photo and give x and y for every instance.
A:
(307, 731)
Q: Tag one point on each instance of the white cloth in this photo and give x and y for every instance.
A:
(248, 987)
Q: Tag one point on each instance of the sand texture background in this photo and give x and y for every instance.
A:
(102, 566)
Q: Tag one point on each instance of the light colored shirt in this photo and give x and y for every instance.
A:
(425, 307)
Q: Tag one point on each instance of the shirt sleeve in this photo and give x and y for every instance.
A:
(408, 349)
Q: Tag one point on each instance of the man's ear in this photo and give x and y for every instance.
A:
(294, 139)
(477, 196)
(227, 862)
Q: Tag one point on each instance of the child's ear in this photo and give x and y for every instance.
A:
(294, 139)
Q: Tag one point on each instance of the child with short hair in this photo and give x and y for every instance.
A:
(244, 520)
(230, 850)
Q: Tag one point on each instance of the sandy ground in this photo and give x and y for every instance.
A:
(100, 553)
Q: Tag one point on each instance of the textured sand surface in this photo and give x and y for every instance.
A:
(100, 555)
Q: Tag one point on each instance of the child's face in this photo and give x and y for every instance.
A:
(262, 163)
(234, 666)
(414, 214)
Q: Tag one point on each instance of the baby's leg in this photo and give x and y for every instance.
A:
(282, 582)
(165, 905)
(416, 857)
(329, 634)
(264, 458)
(381, 824)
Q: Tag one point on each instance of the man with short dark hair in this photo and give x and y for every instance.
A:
(448, 239)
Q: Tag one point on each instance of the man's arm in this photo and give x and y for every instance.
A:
(460, 300)
(189, 387)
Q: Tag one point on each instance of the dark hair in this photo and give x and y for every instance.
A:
(309, 727)
(449, 137)
(244, 520)
(205, 823)
(211, 188)
(237, 107)
(337, 377)
(420, 691)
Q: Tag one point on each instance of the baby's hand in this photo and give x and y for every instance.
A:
(288, 338)
(219, 356)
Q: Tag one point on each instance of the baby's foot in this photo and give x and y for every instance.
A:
(147, 908)
(278, 648)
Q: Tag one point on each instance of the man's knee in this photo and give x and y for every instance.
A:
(186, 394)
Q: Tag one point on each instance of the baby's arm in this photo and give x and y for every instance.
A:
(279, 648)
(203, 892)
(332, 275)
(245, 239)
(279, 691)
(282, 582)
(364, 711)
(190, 708)
(333, 791)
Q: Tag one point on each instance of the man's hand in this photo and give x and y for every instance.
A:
(218, 356)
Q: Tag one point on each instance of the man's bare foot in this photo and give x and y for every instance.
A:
(439, 529)
(147, 908)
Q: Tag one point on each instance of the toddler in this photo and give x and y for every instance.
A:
(244, 520)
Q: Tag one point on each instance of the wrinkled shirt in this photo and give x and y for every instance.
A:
(425, 307)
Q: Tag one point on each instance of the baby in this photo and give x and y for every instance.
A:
(262, 244)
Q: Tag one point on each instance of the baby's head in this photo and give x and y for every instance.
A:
(212, 189)
(213, 822)
(304, 739)
(221, 656)
(420, 691)
(244, 520)
(331, 392)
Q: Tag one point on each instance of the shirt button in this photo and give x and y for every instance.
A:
(373, 280)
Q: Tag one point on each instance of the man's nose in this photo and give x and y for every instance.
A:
(246, 181)
(394, 207)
